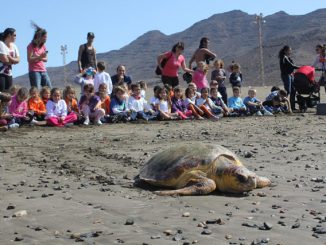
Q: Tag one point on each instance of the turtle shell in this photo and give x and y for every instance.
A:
(167, 166)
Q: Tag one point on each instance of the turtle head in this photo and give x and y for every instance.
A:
(236, 179)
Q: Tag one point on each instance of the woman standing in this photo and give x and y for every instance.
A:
(9, 55)
(202, 53)
(37, 55)
(287, 67)
(175, 60)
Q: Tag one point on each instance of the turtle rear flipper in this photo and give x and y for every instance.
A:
(195, 186)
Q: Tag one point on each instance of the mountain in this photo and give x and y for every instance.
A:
(233, 36)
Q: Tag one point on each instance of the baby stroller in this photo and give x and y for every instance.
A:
(308, 95)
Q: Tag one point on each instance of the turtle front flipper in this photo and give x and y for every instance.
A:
(195, 186)
(262, 182)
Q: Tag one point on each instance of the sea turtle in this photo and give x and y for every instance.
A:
(197, 169)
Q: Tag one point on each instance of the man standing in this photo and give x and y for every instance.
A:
(87, 54)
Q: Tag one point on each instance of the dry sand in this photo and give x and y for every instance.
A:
(76, 184)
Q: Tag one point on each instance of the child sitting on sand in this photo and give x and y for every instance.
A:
(69, 95)
(105, 101)
(254, 105)
(154, 99)
(206, 104)
(220, 106)
(279, 103)
(236, 105)
(143, 87)
(190, 103)
(118, 106)
(164, 107)
(36, 106)
(5, 117)
(14, 89)
(45, 94)
(274, 92)
(194, 87)
(178, 105)
(56, 110)
(90, 106)
(18, 107)
(138, 106)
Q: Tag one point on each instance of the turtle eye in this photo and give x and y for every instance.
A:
(242, 178)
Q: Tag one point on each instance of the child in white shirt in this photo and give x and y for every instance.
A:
(138, 106)
(56, 110)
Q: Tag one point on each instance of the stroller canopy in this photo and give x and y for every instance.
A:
(308, 71)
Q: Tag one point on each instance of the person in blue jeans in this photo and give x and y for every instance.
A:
(37, 55)
(287, 67)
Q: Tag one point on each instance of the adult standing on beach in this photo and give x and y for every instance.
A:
(37, 55)
(202, 53)
(9, 55)
(287, 67)
(87, 54)
(175, 60)
(121, 77)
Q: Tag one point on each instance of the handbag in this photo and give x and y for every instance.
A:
(158, 71)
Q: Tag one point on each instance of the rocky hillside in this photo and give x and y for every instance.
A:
(233, 35)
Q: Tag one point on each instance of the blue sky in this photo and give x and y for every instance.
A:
(117, 23)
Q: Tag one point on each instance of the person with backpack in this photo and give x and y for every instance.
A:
(87, 54)
(174, 60)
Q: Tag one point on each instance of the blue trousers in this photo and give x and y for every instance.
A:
(289, 87)
(39, 79)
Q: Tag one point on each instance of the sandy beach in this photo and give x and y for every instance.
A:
(67, 185)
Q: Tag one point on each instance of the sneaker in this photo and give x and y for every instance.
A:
(258, 113)
(13, 126)
(215, 118)
(34, 122)
(86, 122)
(98, 123)
(267, 113)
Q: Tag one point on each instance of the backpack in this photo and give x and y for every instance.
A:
(158, 71)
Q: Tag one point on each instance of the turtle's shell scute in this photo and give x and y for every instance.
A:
(176, 160)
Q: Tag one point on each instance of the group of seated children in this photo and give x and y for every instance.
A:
(49, 107)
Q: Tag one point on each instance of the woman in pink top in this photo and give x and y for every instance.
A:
(175, 60)
(37, 55)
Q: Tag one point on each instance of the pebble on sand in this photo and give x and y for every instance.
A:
(129, 221)
(186, 214)
(20, 213)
